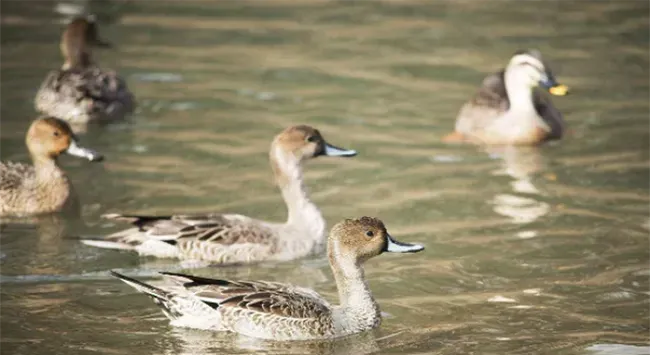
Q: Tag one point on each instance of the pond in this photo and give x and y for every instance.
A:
(528, 250)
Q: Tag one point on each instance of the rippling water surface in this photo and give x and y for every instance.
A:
(529, 251)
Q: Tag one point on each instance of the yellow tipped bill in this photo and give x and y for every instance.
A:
(559, 90)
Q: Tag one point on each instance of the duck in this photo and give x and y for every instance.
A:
(42, 187)
(81, 92)
(509, 110)
(217, 238)
(277, 311)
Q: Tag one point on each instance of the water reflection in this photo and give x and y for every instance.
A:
(43, 241)
(618, 349)
(522, 164)
(201, 342)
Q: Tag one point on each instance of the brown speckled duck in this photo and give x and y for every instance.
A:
(232, 238)
(275, 311)
(43, 187)
(509, 110)
(80, 91)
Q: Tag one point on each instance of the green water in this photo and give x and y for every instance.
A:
(558, 234)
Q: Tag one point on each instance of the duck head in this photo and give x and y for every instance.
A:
(49, 137)
(305, 142)
(527, 68)
(296, 144)
(77, 41)
(364, 238)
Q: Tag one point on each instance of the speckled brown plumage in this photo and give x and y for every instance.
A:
(198, 237)
(265, 297)
(13, 174)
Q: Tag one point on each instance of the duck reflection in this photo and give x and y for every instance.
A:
(196, 342)
(38, 242)
(520, 163)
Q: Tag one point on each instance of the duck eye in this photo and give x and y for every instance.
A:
(311, 139)
(56, 133)
(370, 233)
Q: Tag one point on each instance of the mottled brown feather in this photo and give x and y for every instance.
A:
(264, 297)
(12, 174)
(211, 228)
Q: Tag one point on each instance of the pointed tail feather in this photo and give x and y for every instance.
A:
(152, 291)
(119, 217)
(188, 280)
(161, 297)
(167, 301)
(132, 218)
(107, 244)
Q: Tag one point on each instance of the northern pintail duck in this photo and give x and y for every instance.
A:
(507, 109)
(80, 91)
(277, 311)
(43, 187)
(232, 238)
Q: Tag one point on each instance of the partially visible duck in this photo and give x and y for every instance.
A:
(43, 187)
(276, 311)
(508, 110)
(231, 238)
(80, 91)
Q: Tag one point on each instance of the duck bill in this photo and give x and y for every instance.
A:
(81, 152)
(394, 246)
(332, 151)
(554, 87)
(559, 90)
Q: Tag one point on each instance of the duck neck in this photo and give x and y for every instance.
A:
(81, 60)
(520, 93)
(303, 215)
(354, 293)
(45, 164)
(51, 183)
(48, 172)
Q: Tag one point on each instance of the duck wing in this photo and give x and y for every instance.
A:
(489, 102)
(269, 298)
(549, 113)
(255, 308)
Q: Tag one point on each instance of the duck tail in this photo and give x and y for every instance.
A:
(152, 291)
(107, 244)
(161, 297)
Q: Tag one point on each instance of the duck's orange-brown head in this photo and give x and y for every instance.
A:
(49, 137)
